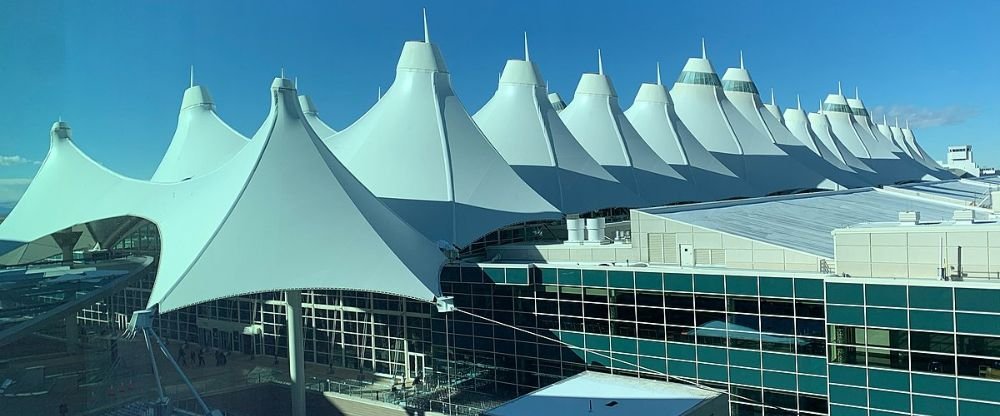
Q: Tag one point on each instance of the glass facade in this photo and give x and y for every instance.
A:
(739, 86)
(699, 78)
(840, 108)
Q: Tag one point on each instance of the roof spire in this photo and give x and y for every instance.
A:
(884, 120)
(546, 85)
(907, 124)
(527, 57)
(379, 93)
(897, 122)
(704, 54)
(296, 82)
(600, 63)
(741, 59)
(192, 77)
(427, 33)
(658, 79)
(840, 91)
(857, 95)
(772, 96)
(798, 102)
(282, 72)
(820, 111)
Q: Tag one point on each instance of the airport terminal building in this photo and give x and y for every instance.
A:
(782, 262)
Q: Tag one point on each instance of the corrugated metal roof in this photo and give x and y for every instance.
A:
(804, 222)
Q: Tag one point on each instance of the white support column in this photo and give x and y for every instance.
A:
(296, 351)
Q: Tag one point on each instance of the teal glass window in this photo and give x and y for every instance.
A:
(712, 355)
(811, 384)
(809, 288)
(649, 281)
(855, 376)
(569, 277)
(978, 408)
(739, 86)
(932, 320)
(890, 380)
(699, 78)
(776, 286)
(677, 282)
(783, 362)
(934, 405)
(845, 293)
(886, 295)
(930, 297)
(598, 278)
(888, 400)
(571, 338)
(744, 376)
(713, 372)
(986, 390)
(598, 342)
(653, 348)
(517, 276)
(549, 276)
(624, 361)
(682, 351)
(658, 365)
(977, 323)
(978, 300)
(836, 410)
(493, 274)
(681, 368)
(848, 395)
(839, 108)
(931, 384)
(812, 365)
(845, 315)
(861, 112)
(709, 283)
(623, 345)
(601, 359)
(621, 279)
(783, 381)
(893, 318)
(741, 285)
(745, 358)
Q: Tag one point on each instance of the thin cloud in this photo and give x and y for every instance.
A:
(924, 116)
(11, 190)
(15, 160)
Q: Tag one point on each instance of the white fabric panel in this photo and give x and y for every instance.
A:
(418, 150)
(283, 188)
(312, 116)
(526, 130)
(797, 123)
(202, 141)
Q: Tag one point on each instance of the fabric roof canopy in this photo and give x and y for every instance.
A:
(315, 224)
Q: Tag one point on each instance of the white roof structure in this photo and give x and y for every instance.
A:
(797, 122)
(819, 125)
(419, 151)
(322, 228)
(523, 126)
(653, 116)
(911, 141)
(741, 91)
(868, 127)
(805, 222)
(595, 393)
(202, 141)
(719, 126)
(866, 147)
(312, 116)
(773, 108)
(596, 120)
(886, 132)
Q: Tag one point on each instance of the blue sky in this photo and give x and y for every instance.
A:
(116, 70)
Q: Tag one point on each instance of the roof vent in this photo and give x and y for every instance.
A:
(964, 216)
(909, 217)
(612, 403)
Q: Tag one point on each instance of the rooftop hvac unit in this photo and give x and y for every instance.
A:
(595, 230)
(909, 217)
(574, 230)
(964, 216)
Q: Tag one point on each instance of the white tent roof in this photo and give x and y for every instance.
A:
(773, 108)
(312, 116)
(920, 154)
(317, 226)
(420, 152)
(652, 114)
(863, 119)
(556, 101)
(599, 124)
(202, 141)
(524, 127)
(719, 126)
(797, 122)
(741, 91)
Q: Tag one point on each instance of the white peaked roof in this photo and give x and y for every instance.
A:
(599, 124)
(741, 91)
(312, 116)
(773, 108)
(797, 122)
(867, 127)
(556, 101)
(318, 226)
(719, 126)
(911, 142)
(524, 127)
(886, 132)
(420, 152)
(652, 114)
(202, 141)
(819, 126)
